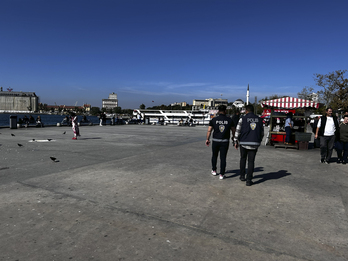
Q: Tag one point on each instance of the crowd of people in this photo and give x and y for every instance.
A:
(248, 131)
(26, 121)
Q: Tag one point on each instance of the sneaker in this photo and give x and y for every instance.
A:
(74, 138)
(222, 176)
(249, 183)
(326, 162)
(242, 178)
(344, 162)
(322, 160)
(339, 161)
(213, 172)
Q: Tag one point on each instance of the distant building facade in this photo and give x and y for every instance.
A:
(182, 104)
(209, 103)
(18, 101)
(110, 103)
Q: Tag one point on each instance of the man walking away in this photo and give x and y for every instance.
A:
(327, 129)
(221, 126)
(248, 137)
(236, 118)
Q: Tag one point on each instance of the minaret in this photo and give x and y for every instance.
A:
(247, 96)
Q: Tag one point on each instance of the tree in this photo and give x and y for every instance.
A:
(142, 106)
(117, 110)
(306, 93)
(95, 110)
(334, 93)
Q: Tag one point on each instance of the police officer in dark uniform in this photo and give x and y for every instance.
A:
(221, 126)
(249, 134)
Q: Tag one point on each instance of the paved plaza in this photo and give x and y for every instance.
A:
(142, 192)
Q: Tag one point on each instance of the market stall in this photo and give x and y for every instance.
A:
(278, 110)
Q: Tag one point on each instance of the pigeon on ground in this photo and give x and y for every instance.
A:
(54, 159)
(12, 134)
(49, 139)
(20, 145)
(64, 132)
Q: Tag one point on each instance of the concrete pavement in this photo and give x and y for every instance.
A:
(140, 192)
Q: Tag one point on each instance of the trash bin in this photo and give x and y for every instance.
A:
(13, 122)
(303, 145)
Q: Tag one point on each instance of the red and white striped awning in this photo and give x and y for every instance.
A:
(290, 103)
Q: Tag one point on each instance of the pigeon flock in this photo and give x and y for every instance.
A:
(53, 159)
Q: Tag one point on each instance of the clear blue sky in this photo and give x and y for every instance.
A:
(168, 50)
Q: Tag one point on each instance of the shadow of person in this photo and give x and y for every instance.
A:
(273, 175)
(96, 138)
(237, 172)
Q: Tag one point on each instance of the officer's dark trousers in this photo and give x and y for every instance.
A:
(244, 154)
(222, 148)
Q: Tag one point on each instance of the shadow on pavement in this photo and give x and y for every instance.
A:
(269, 176)
(237, 171)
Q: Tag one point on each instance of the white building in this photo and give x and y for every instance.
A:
(183, 104)
(209, 103)
(110, 103)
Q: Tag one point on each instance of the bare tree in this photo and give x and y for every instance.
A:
(335, 92)
(306, 93)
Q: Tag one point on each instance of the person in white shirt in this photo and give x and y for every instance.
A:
(327, 130)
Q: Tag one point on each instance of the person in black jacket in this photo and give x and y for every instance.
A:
(221, 126)
(236, 117)
(248, 137)
(328, 131)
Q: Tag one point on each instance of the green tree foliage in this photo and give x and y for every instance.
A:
(117, 110)
(127, 111)
(142, 106)
(95, 111)
(335, 89)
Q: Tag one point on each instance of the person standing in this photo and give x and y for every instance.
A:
(75, 126)
(327, 129)
(248, 137)
(342, 144)
(221, 126)
(236, 118)
(39, 122)
(289, 124)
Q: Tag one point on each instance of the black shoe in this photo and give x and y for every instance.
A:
(327, 162)
(344, 162)
(249, 183)
(339, 161)
(322, 160)
(242, 178)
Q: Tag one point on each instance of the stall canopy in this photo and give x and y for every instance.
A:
(290, 103)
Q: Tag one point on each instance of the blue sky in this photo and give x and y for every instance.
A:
(168, 50)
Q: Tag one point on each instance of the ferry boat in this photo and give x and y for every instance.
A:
(176, 117)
